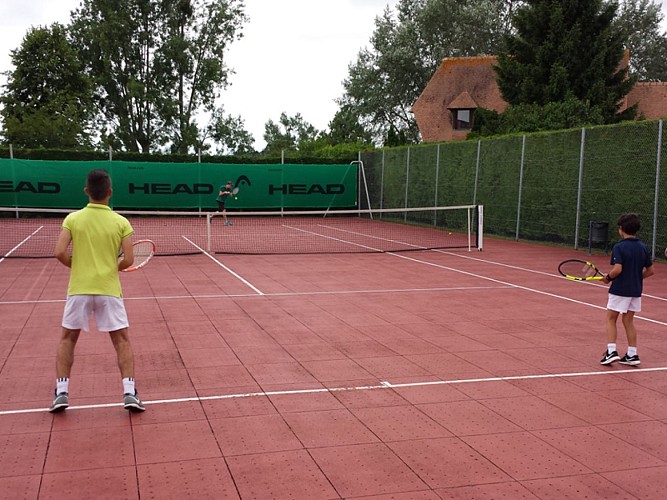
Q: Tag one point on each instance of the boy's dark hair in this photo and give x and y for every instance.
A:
(98, 183)
(629, 223)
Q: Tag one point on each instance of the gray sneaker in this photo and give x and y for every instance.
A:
(60, 403)
(133, 403)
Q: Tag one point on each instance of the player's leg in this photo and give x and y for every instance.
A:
(611, 355)
(125, 355)
(631, 358)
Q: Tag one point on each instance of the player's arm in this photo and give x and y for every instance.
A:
(648, 271)
(62, 245)
(128, 253)
(614, 273)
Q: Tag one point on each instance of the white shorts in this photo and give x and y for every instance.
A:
(109, 312)
(624, 304)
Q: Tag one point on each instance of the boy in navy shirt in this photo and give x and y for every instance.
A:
(632, 263)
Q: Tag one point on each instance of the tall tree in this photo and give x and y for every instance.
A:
(405, 50)
(640, 21)
(47, 101)
(289, 133)
(230, 135)
(156, 65)
(564, 49)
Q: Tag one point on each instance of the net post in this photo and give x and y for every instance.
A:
(480, 227)
(208, 231)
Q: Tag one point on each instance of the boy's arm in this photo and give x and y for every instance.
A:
(648, 271)
(61, 252)
(128, 253)
(613, 273)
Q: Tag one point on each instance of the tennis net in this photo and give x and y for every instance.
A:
(31, 233)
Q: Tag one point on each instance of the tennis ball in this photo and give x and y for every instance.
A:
(236, 197)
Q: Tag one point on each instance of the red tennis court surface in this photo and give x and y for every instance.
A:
(424, 375)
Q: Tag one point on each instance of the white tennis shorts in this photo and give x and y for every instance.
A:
(624, 304)
(109, 313)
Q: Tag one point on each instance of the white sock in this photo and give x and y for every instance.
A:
(611, 348)
(62, 385)
(632, 351)
(128, 386)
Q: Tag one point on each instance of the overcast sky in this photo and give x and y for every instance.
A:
(293, 57)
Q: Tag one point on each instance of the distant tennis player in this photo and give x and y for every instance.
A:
(223, 193)
(97, 234)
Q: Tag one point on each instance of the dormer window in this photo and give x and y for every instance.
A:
(462, 119)
(462, 108)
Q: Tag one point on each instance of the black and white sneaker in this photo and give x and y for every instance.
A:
(608, 358)
(630, 360)
(60, 403)
(132, 402)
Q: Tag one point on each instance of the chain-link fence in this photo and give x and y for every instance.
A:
(545, 187)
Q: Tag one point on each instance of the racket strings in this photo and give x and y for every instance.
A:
(578, 269)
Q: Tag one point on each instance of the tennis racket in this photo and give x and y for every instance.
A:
(235, 191)
(143, 252)
(580, 270)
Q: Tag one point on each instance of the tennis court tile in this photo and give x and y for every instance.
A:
(367, 398)
(184, 411)
(315, 351)
(25, 423)
(336, 370)
(89, 418)
(254, 434)
(468, 418)
(410, 345)
(276, 374)
(20, 487)
(237, 406)
(80, 449)
(208, 357)
(509, 491)
(288, 474)
(648, 436)
(646, 401)
(22, 454)
(366, 469)
(438, 393)
(400, 423)
(597, 449)
(580, 486)
(108, 482)
(274, 353)
(220, 377)
(409, 495)
(155, 443)
(491, 390)
(329, 428)
(392, 368)
(594, 409)
(447, 462)
(202, 478)
(643, 483)
(532, 412)
(314, 401)
(524, 456)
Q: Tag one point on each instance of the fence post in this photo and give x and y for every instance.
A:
(11, 152)
(657, 191)
(518, 210)
(474, 191)
(110, 153)
(579, 188)
(437, 174)
(407, 180)
(382, 182)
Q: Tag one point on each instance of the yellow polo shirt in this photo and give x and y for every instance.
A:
(97, 233)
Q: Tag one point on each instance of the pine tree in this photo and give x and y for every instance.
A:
(564, 49)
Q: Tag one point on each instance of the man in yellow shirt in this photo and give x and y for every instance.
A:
(97, 234)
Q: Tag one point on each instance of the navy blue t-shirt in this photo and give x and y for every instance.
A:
(634, 256)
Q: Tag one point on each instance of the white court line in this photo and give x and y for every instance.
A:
(382, 385)
(553, 275)
(17, 246)
(237, 276)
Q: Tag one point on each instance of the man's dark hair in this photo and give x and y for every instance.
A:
(629, 223)
(98, 183)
